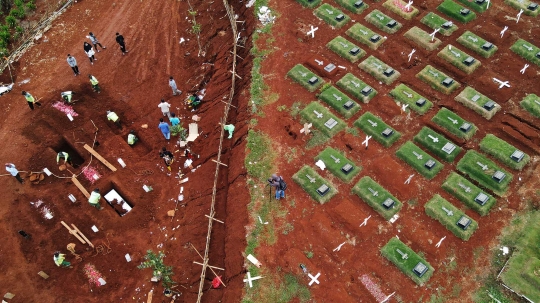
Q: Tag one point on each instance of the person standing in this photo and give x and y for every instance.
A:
(112, 116)
(230, 129)
(31, 100)
(95, 83)
(65, 156)
(131, 139)
(280, 185)
(95, 41)
(67, 96)
(174, 119)
(60, 260)
(89, 52)
(10, 167)
(122, 43)
(165, 130)
(73, 63)
(94, 199)
(167, 156)
(165, 106)
(193, 102)
(172, 84)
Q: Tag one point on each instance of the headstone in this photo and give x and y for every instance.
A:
(489, 105)
(366, 90)
(347, 168)
(358, 3)
(533, 6)
(348, 105)
(465, 127)
(375, 38)
(354, 51)
(447, 24)
(538, 55)
(391, 23)
(448, 148)
(468, 61)
(340, 17)
(517, 155)
(479, 1)
(330, 123)
(499, 176)
(487, 46)
(387, 132)
(420, 102)
(388, 203)
(420, 269)
(330, 67)
(388, 72)
(313, 80)
(323, 190)
(464, 11)
(464, 222)
(481, 199)
(447, 82)
(475, 98)
(430, 164)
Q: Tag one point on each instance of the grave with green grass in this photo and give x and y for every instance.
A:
(504, 152)
(479, 103)
(339, 101)
(530, 8)
(479, 6)
(365, 36)
(456, 221)
(484, 171)
(468, 193)
(421, 161)
(383, 22)
(377, 197)
(356, 87)
(409, 262)
(456, 11)
(422, 38)
(437, 144)
(305, 77)
(320, 189)
(454, 124)
(322, 119)
(438, 80)
(435, 21)
(477, 44)
(400, 8)
(527, 50)
(459, 59)
(336, 162)
(531, 103)
(375, 127)
(355, 6)
(380, 70)
(331, 15)
(403, 94)
(309, 3)
(346, 49)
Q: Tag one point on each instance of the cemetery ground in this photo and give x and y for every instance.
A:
(306, 229)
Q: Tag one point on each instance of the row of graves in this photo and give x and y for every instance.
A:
(478, 181)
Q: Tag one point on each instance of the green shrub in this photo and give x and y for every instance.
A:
(349, 5)
(452, 9)
(374, 126)
(301, 178)
(450, 217)
(466, 192)
(335, 168)
(425, 137)
(531, 103)
(18, 13)
(523, 4)
(391, 6)
(450, 121)
(475, 43)
(457, 58)
(374, 195)
(323, 12)
(435, 21)
(155, 261)
(381, 21)
(363, 34)
(422, 38)
(435, 78)
(376, 68)
(470, 165)
(476, 101)
(337, 100)
(526, 50)
(417, 158)
(30, 5)
(11, 21)
(343, 47)
(389, 251)
(259, 155)
(302, 75)
(5, 36)
(308, 113)
(402, 93)
(502, 151)
(354, 86)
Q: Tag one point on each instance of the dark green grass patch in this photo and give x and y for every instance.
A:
(375, 195)
(309, 113)
(354, 6)
(383, 22)
(437, 144)
(527, 51)
(356, 87)
(483, 171)
(339, 101)
(478, 6)
(380, 70)
(422, 38)
(310, 181)
(302, 76)
(481, 104)
(402, 93)
(309, 3)
(331, 15)
(468, 193)
(454, 10)
(406, 265)
(435, 21)
(365, 36)
(375, 127)
(531, 103)
(454, 124)
(436, 78)
(524, 5)
(504, 152)
(458, 58)
(419, 160)
(451, 217)
(400, 9)
(338, 164)
(346, 49)
(477, 44)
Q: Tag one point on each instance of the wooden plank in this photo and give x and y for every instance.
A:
(209, 266)
(73, 232)
(99, 157)
(80, 187)
(82, 235)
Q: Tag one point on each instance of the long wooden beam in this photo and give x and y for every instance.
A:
(80, 187)
(99, 157)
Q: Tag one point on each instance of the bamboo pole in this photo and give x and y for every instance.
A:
(73, 232)
(82, 235)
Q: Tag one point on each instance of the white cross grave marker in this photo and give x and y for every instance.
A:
(454, 121)
(447, 211)
(380, 17)
(365, 221)
(404, 107)
(366, 142)
(373, 124)
(418, 156)
(522, 71)
(473, 39)
(435, 139)
(435, 74)
(319, 62)
(432, 35)
(339, 247)
(250, 279)
(483, 166)
(336, 160)
(356, 84)
(408, 181)
(440, 241)
(314, 278)
(465, 187)
(504, 30)
(373, 192)
(312, 31)
(319, 115)
(363, 32)
(388, 298)
(311, 179)
(408, 6)
(306, 129)
(488, 1)
(519, 15)
(409, 95)
(502, 83)
(337, 97)
(411, 53)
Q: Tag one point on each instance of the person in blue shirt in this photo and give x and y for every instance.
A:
(164, 127)
(174, 119)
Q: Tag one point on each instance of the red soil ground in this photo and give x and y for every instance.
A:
(132, 86)
(321, 228)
